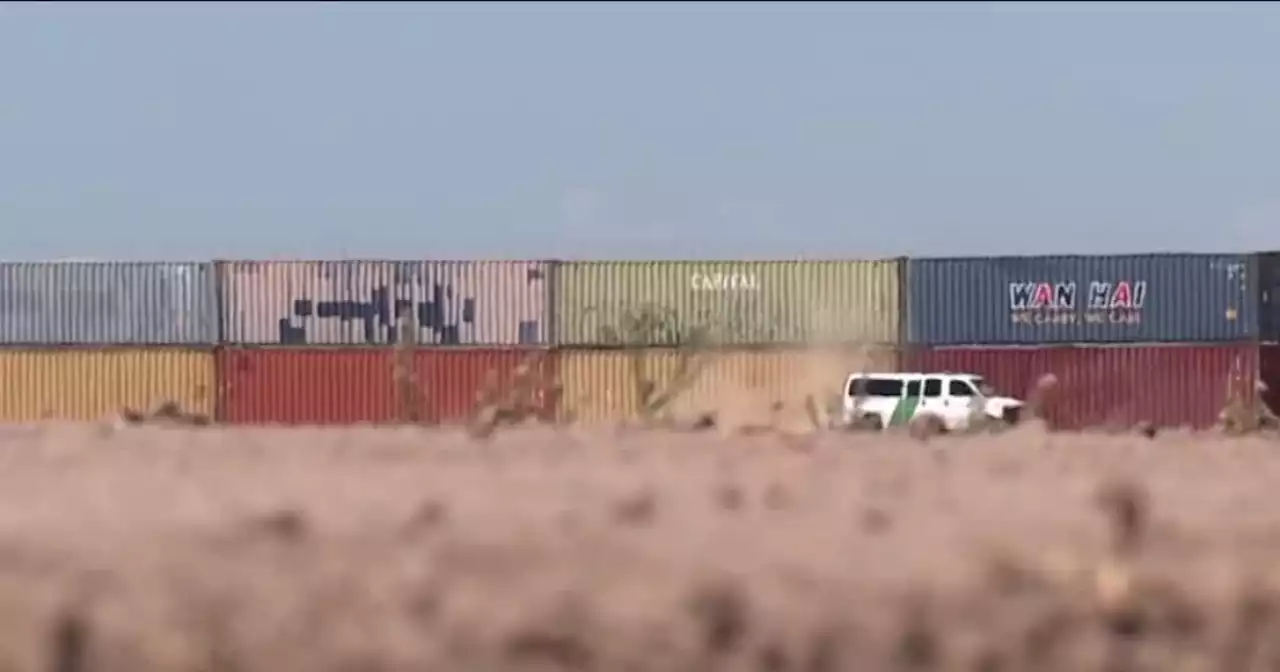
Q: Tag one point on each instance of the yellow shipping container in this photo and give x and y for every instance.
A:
(740, 387)
(83, 384)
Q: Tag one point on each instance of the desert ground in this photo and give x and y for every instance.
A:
(125, 549)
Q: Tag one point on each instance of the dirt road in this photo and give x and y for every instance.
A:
(387, 549)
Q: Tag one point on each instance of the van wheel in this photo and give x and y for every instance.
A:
(870, 423)
(927, 426)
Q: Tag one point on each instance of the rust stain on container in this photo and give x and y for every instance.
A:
(91, 384)
(738, 386)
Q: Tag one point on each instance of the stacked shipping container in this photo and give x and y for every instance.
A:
(1140, 338)
(311, 342)
(733, 337)
(1155, 338)
(84, 339)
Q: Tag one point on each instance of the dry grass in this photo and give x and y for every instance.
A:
(172, 548)
(409, 396)
(768, 546)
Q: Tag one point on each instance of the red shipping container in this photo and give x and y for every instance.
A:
(305, 387)
(453, 381)
(317, 386)
(1167, 386)
(1269, 371)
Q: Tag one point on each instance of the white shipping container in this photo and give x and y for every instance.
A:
(357, 302)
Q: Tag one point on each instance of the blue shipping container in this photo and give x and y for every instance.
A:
(1269, 297)
(1082, 299)
(108, 303)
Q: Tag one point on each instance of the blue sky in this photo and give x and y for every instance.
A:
(621, 130)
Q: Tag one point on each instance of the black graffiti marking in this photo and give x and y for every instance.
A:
(441, 317)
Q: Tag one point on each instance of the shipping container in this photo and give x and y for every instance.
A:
(740, 386)
(454, 382)
(336, 386)
(93, 384)
(1102, 386)
(305, 387)
(1268, 264)
(1269, 373)
(1080, 299)
(728, 303)
(357, 302)
(108, 303)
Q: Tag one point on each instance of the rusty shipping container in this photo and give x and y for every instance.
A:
(357, 302)
(342, 386)
(1102, 386)
(106, 303)
(91, 384)
(739, 387)
(1082, 299)
(731, 303)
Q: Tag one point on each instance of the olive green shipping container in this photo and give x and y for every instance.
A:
(604, 303)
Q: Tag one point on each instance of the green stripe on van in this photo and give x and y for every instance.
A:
(904, 411)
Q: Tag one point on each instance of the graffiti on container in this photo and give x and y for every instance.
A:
(445, 317)
(1042, 303)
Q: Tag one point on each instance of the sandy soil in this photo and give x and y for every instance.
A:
(401, 549)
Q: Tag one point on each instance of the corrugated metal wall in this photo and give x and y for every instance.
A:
(452, 381)
(601, 386)
(737, 303)
(356, 302)
(306, 386)
(51, 303)
(338, 386)
(518, 308)
(1075, 299)
(1100, 386)
(84, 384)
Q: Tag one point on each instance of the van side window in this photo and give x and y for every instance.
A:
(875, 387)
(881, 387)
(932, 387)
(959, 388)
(913, 388)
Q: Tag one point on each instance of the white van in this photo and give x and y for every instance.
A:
(891, 399)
